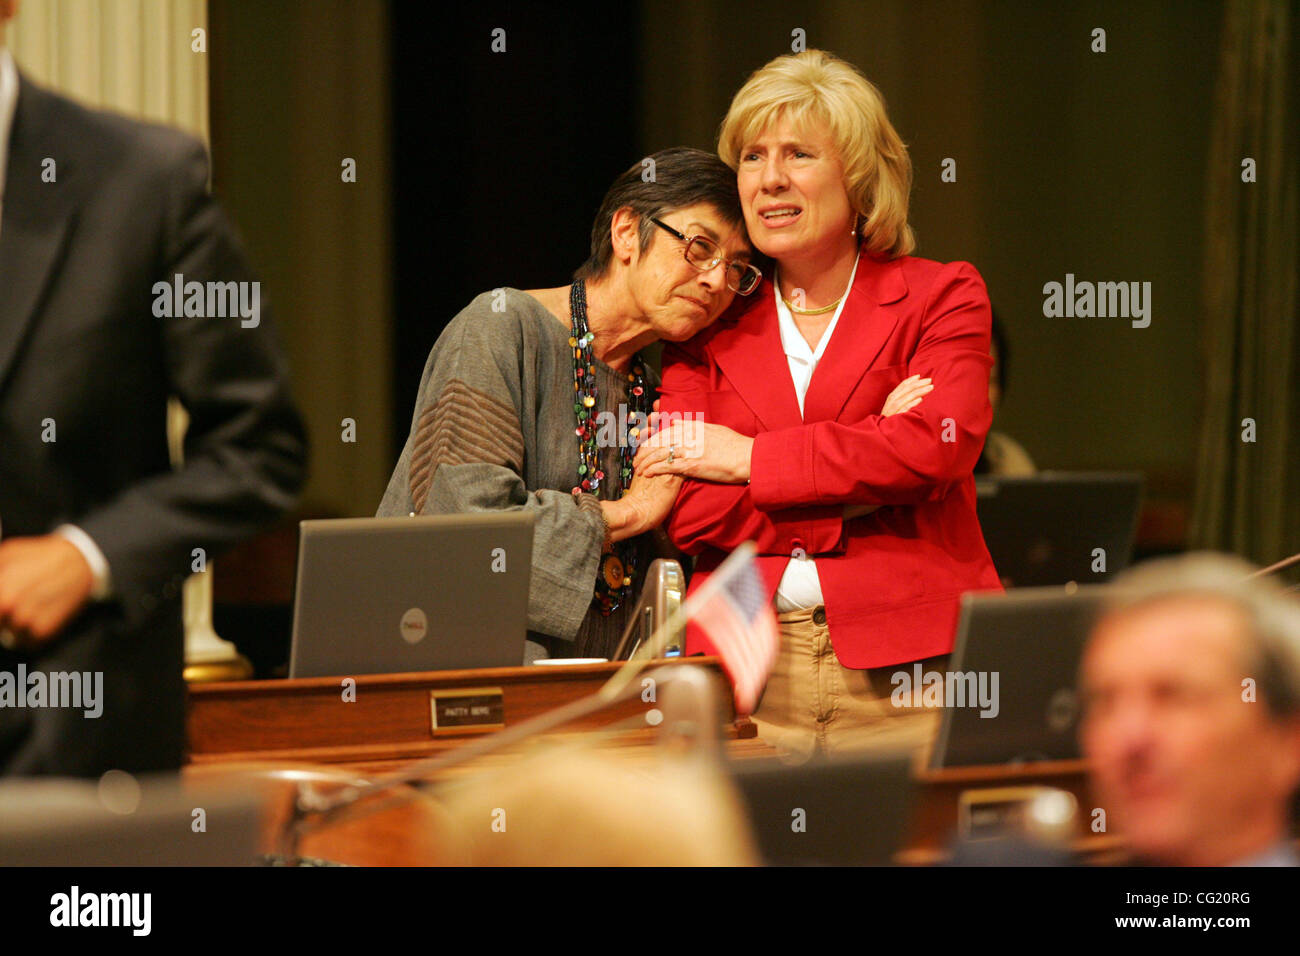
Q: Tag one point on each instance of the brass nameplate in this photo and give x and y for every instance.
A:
(467, 710)
(984, 814)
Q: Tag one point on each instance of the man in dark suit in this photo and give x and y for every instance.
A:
(100, 218)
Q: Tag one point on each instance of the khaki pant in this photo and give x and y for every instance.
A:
(812, 701)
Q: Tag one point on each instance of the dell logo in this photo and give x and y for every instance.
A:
(1062, 710)
(414, 626)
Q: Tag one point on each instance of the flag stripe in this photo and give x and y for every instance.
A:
(738, 619)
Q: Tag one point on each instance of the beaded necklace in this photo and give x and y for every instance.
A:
(618, 567)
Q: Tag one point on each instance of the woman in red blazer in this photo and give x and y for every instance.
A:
(863, 514)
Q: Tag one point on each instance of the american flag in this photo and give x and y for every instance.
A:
(733, 610)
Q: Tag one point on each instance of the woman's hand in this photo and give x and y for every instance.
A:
(644, 505)
(695, 449)
(907, 395)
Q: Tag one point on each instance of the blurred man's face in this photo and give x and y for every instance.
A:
(1187, 771)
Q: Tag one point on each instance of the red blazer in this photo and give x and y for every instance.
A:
(891, 580)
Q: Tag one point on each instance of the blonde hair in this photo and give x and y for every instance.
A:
(577, 806)
(817, 87)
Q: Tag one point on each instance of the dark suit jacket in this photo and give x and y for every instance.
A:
(80, 344)
(891, 580)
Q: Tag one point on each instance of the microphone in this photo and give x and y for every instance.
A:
(656, 608)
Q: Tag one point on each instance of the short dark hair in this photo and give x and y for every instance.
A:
(999, 339)
(659, 184)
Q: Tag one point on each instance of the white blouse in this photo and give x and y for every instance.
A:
(800, 587)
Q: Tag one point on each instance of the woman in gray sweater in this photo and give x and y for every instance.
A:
(538, 399)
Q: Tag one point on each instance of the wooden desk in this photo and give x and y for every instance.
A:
(389, 722)
(388, 725)
(937, 807)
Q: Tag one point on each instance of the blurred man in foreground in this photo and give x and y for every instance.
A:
(1191, 685)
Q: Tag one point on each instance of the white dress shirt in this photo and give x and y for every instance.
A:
(800, 587)
(102, 587)
(8, 100)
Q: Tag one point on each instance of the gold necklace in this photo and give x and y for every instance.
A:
(822, 311)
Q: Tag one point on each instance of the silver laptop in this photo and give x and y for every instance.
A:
(1032, 640)
(393, 595)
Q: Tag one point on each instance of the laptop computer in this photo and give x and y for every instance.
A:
(394, 595)
(842, 810)
(1046, 529)
(1032, 640)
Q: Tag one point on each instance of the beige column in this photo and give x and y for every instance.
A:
(145, 58)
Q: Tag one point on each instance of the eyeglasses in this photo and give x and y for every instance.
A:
(705, 254)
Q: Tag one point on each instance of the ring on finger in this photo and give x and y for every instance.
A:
(671, 450)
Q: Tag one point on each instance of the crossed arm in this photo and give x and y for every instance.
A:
(718, 509)
(804, 482)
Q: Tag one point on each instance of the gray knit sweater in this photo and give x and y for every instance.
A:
(493, 430)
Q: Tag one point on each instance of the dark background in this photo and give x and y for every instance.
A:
(500, 160)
